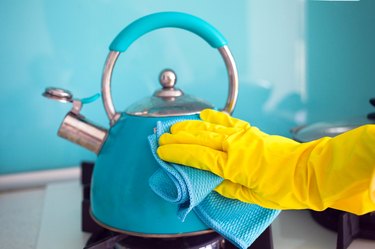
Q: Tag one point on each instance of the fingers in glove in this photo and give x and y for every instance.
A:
(195, 156)
(222, 118)
(198, 125)
(206, 138)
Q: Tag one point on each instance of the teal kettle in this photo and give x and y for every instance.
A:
(121, 199)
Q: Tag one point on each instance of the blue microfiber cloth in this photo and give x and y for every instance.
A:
(192, 189)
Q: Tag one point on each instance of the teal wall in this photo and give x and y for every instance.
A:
(341, 59)
(298, 62)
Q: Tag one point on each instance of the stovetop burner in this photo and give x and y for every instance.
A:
(348, 226)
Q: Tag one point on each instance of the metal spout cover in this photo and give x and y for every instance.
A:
(77, 129)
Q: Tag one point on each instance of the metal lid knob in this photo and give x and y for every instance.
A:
(167, 80)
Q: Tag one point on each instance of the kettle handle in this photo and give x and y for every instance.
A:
(163, 20)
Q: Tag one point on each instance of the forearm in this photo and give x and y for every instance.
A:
(319, 174)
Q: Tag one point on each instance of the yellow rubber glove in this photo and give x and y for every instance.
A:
(274, 171)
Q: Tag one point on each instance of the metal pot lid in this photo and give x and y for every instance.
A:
(331, 129)
(168, 101)
(327, 129)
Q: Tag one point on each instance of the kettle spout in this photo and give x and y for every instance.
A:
(77, 129)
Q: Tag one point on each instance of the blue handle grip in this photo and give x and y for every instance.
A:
(167, 20)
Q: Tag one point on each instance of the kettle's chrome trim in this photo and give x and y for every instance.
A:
(106, 87)
(233, 79)
(149, 235)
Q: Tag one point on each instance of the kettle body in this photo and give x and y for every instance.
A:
(120, 195)
(121, 199)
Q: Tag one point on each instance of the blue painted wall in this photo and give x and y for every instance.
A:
(341, 59)
(294, 58)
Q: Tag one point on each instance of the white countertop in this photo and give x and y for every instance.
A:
(49, 218)
(20, 216)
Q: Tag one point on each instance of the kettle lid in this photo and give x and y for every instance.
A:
(168, 101)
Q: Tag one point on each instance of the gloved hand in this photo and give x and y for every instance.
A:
(274, 171)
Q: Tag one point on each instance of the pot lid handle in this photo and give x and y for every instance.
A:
(163, 20)
(371, 115)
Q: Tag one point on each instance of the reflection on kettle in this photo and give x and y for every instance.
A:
(121, 199)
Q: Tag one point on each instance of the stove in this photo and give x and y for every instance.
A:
(60, 223)
(102, 238)
(348, 226)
